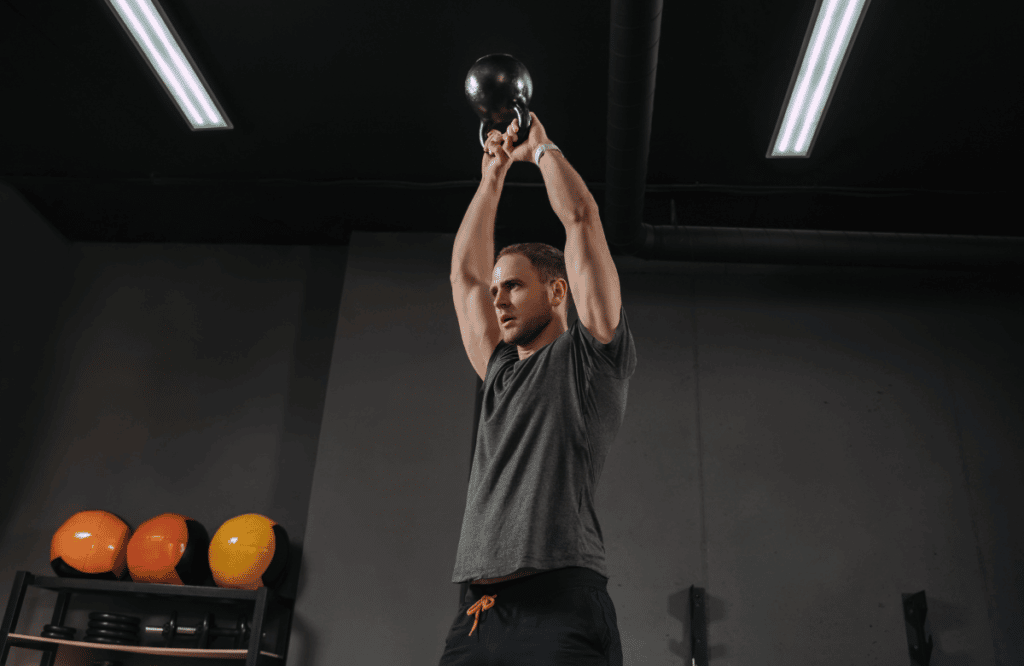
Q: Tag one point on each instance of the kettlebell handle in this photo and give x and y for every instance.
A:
(524, 126)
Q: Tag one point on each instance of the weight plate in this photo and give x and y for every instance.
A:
(114, 626)
(110, 634)
(112, 617)
(109, 641)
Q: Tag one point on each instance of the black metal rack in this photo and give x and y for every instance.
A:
(263, 601)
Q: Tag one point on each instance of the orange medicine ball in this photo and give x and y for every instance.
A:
(169, 549)
(90, 544)
(249, 552)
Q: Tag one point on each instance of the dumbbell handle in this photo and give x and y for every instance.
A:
(188, 631)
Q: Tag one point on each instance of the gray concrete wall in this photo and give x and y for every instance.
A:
(35, 265)
(181, 378)
(805, 444)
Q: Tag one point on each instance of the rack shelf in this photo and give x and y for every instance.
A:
(21, 640)
(74, 653)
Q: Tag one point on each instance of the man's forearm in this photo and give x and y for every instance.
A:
(473, 253)
(568, 194)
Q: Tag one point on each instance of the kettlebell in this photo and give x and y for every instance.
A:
(499, 88)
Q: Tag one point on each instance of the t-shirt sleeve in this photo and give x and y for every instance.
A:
(502, 349)
(617, 358)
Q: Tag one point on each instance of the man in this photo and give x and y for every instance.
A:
(554, 398)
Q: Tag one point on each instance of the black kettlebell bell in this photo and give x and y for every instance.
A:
(499, 89)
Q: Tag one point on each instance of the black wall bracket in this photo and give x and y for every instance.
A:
(915, 615)
(698, 627)
(919, 640)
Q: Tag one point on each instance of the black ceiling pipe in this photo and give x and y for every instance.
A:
(633, 64)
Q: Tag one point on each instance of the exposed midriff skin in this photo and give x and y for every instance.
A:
(525, 571)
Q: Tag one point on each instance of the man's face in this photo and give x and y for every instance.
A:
(517, 292)
(513, 289)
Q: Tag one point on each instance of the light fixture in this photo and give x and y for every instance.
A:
(157, 41)
(827, 44)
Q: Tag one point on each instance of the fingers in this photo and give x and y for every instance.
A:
(496, 139)
(494, 143)
(493, 137)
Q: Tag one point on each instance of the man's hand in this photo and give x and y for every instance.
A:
(524, 152)
(497, 153)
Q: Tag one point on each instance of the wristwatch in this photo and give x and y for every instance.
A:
(543, 148)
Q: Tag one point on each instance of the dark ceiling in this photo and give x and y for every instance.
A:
(351, 116)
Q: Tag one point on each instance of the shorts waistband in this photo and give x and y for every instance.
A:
(539, 583)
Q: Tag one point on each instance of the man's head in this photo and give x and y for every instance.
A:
(529, 283)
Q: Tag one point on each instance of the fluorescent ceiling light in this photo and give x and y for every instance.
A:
(827, 44)
(158, 43)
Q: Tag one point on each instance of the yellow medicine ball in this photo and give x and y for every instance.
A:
(249, 552)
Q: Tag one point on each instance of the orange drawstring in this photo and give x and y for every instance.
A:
(484, 603)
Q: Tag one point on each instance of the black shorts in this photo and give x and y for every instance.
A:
(562, 616)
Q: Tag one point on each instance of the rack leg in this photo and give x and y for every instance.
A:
(22, 580)
(256, 637)
(284, 631)
(60, 612)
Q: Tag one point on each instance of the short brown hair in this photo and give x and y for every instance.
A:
(549, 262)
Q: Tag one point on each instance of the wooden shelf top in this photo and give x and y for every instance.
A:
(22, 640)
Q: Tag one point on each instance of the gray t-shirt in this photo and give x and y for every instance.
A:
(545, 428)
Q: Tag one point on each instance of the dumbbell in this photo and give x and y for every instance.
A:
(206, 631)
(124, 630)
